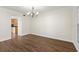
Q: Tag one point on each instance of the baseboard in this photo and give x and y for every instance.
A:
(51, 37)
(4, 39)
(76, 46)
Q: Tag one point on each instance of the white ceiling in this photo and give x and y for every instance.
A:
(25, 9)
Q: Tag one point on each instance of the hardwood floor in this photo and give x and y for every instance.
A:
(34, 43)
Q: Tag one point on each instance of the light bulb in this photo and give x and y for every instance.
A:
(28, 13)
(37, 13)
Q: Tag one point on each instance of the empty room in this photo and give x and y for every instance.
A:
(38, 29)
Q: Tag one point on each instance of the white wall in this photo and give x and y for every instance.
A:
(5, 25)
(25, 25)
(54, 24)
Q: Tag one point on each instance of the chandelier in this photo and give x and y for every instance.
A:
(33, 12)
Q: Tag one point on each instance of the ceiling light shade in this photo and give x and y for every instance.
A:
(33, 12)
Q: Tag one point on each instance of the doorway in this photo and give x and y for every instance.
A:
(14, 28)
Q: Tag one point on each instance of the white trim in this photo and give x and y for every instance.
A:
(75, 18)
(51, 37)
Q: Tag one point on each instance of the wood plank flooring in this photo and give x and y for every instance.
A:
(34, 43)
